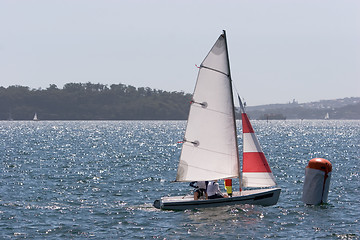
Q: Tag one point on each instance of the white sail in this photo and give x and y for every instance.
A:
(35, 117)
(327, 116)
(210, 145)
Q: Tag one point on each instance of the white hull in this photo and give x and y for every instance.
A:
(264, 197)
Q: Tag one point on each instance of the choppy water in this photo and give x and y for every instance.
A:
(98, 180)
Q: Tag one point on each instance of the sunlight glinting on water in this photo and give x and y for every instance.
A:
(98, 179)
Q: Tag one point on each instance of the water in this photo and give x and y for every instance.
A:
(98, 180)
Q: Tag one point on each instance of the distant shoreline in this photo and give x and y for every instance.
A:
(97, 102)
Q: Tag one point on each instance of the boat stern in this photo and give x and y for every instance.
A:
(268, 199)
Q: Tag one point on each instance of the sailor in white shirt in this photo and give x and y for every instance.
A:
(213, 190)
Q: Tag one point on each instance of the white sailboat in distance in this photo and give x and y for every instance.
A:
(327, 116)
(35, 118)
(210, 146)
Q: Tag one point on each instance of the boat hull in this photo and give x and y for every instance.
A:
(264, 197)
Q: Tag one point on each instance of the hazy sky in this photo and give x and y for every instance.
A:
(280, 50)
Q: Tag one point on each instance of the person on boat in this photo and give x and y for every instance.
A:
(213, 190)
(200, 189)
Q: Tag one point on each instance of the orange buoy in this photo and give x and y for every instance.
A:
(317, 181)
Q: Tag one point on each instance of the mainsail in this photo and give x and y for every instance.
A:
(256, 171)
(210, 149)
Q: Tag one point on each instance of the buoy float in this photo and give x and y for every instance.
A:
(228, 186)
(317, 181)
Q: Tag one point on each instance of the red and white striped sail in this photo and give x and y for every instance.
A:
(256, 171)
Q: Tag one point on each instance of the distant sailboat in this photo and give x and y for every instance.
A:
(35, 117)
(327, 116)
(210, 147)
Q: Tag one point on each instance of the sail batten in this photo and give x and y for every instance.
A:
(215, 70)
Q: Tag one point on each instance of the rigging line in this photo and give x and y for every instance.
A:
(209, 109)
(241, 105)
(240, 102)
(237, 92)
(215, 70)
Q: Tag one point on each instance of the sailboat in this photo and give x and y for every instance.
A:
(35, 118)
(327, 116)
(210, 145)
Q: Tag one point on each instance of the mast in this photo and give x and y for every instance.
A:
(242, 110)
(233, 107)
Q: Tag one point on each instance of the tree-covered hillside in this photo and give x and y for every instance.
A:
(87, 101)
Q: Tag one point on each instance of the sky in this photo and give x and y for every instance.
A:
(280, 50)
